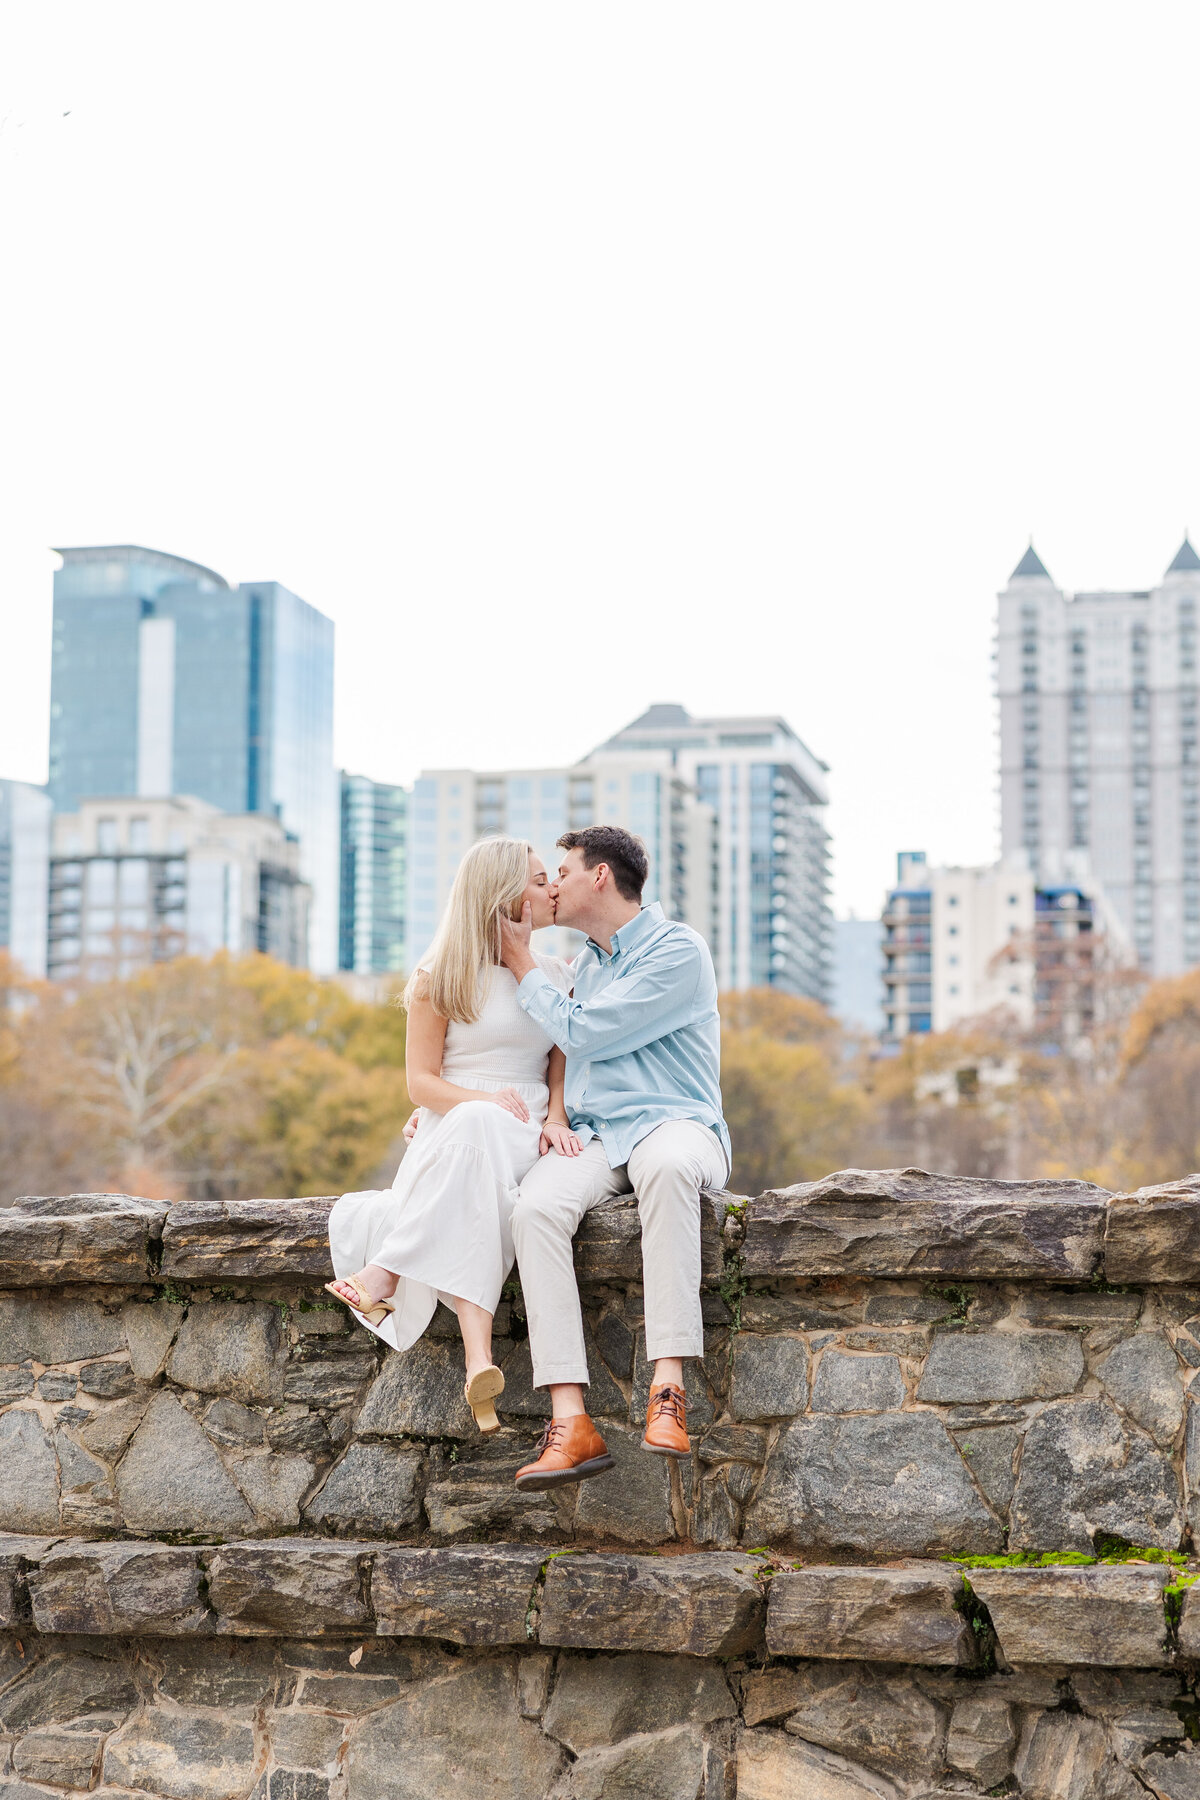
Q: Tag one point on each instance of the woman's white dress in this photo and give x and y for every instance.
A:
(445, 1224)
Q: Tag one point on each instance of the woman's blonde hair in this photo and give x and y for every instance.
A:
(491, 877)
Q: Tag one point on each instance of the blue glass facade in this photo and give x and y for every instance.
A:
(233, 705)
(374, 873)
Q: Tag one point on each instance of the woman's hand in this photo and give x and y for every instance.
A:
(559, 1137)
(410, 1130)
(511, 1101)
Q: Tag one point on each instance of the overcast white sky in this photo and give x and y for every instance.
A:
(573, 358)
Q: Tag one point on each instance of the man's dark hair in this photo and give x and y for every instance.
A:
(624, 854)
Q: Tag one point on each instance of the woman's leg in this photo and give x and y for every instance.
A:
(476, 1328)
(379, 1283)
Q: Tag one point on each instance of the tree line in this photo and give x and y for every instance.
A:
(232, 1078)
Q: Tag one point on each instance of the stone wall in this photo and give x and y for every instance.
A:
(248, 1554)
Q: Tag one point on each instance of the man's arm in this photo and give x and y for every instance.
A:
(654, 999)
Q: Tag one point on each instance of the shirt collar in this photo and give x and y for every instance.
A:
(633, 931)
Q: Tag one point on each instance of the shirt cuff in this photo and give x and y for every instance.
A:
(532, 984)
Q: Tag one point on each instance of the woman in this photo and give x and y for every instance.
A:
(489, 1085)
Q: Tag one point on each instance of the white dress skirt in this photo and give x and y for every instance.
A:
(445, 1224)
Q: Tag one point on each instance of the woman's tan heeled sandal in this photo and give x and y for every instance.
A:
(481, 1391)
(373, 1311)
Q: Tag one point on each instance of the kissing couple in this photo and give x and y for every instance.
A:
(544, 1087)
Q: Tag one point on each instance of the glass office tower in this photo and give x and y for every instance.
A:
(165, 680)
(374, 876)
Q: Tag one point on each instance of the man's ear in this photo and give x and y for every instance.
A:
(601, 874)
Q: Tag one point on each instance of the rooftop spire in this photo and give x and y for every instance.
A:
(1185, 558)
(1032, 564)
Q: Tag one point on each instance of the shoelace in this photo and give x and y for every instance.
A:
(549, 1437)
(668, 1400)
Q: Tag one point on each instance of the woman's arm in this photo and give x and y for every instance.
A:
(556, 1132)
(424, 1047)
(556, 1075)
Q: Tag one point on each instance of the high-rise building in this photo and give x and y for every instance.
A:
(451, 808)
(772, 923)
(1100, 748)
(374, 897)
(857, 961)
(167, 681)
(730, 811)
(962, 942)
(24, 873)
(140, 881)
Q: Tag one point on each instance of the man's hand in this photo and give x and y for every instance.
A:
(515, 953)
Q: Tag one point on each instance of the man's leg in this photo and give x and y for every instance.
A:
(554, 1196)
(668, 1169)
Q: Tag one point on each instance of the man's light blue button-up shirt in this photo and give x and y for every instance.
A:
(641, 1033)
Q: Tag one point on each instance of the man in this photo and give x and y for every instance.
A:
(641, 1035)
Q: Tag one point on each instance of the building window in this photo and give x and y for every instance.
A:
(106, 836)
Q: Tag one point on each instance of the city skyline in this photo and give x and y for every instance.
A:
(479, 377)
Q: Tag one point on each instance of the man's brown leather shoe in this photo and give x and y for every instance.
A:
(666, 1422)
(569, 1450)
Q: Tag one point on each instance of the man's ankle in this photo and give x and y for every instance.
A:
(566, 1401)
(668, 1372)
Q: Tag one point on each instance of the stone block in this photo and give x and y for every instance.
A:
(853, 1384)
(65, 1755)
(183, 1756)
(1189, 1625)
(247, 1240)
(80, 1237)
(1059, 1758)
(631, 1504)
(732, 1443)
(229, 1423)
(982, 1739)
(1153, 1235)
(1107, 1614)
(227, 1348)
(975, 1366)
(663, 1765)
(28, 1475)
(373, 1491)
(17, 1556)
(273, 1485)
(885, 1615)
(1083, 1475)
(55, 1387)
(989, 1453)
(898, 1223)
(107, 1432)
(296, 1428)
(1173, 1777)
(769, 1377)
(608, 1244)
(150, 1328)
(451, 1740)
(702, 1605)
(418, 1393)
(55, 1329)
(892, 1484)
(603, 1699)
(171, 1478)
(67, 1686)
(1143, 1376)
(298, 1587)
(123, 1589)
(112, 1379)
(475, 1496)
(221, 1672)
(330, 1371)
(305, 1740)
(877, 1717)
(773, 1766)
(479, 1594)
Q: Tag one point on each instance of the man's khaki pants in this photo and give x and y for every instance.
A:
(667, 1171)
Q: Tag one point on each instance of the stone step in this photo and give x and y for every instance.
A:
(716, 1603)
